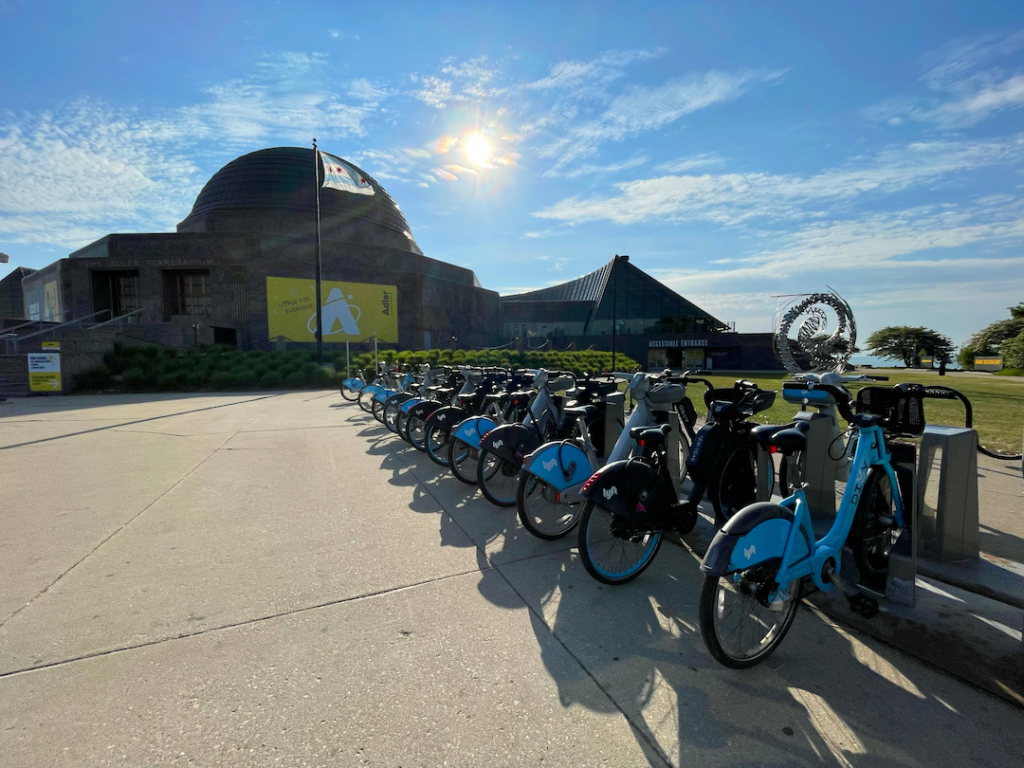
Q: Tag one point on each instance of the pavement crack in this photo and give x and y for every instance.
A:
(237, 624)
(136, 516)
(130, 423)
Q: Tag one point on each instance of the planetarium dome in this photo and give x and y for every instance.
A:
(273, 191)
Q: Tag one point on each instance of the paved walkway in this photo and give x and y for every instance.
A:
(241, 580)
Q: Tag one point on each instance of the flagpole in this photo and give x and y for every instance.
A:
(319, 318)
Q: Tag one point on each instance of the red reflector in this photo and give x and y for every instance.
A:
(641, 443)
(558, 496)
(773, 449)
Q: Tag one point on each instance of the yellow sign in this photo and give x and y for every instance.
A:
(51, 346)
(349, 311)
(44, 372)
(988, 361)
(51, 301)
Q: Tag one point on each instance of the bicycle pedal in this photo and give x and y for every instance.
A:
(864, 606)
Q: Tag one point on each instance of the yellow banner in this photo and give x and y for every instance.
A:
(349, 311)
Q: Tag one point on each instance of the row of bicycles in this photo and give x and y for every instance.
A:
(562, 450)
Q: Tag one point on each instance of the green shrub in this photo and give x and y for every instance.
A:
(295, 380)
(320, 379)
(94, 378)
(246, 379)
(271, 380)
(222, 380)
(137, 379)
(196, 378)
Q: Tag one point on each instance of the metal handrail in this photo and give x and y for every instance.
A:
(118, 318)
(69, 323)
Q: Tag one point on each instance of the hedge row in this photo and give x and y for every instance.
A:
(151, 369)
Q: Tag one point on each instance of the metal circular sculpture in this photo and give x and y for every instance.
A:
(814, 332)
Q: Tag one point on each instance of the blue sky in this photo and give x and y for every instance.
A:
(736, 151)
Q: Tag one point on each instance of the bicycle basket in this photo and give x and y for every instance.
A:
(901, 407)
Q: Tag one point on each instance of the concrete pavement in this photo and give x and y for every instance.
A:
(250, 580)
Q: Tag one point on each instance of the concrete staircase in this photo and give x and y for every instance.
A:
(13, 376)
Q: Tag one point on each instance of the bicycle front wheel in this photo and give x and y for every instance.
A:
(416, 432)
(612, 549)
(541, 511)
(365, 400)
(391, 411)
(497, 479)
(350, 394)
(739, 626)
(435, 442)
(377, 409)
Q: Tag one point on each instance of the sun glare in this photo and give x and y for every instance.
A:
(477, 149)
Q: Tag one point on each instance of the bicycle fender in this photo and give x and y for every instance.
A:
(447, 418)
(510, 442)
(407, 406)
(399, 398)
(622, 487)
(756, 533)
(472, 430)
(560, 464)
(372, 389)
(383, 395)
(423, 409)
(352, 384)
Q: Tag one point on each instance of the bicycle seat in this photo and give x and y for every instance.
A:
(441, 391)
(650, 435)
(586, 411)
(666, 393)
(494, 397)
(787, 438)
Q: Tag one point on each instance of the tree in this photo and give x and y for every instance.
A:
(991, 339)
(904, 342)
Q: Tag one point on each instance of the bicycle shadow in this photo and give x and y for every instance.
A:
(817, 699)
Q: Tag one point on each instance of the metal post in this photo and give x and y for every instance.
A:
(615, 305)
(319, 319)
(376, 357)
(348, 362)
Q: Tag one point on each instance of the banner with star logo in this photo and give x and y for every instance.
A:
(341, 176)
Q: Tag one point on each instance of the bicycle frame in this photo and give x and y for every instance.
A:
(793, 540)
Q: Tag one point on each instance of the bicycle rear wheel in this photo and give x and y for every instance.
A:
(497, 479)
(734, 484)
(540, 510)
(377, 409)
(738, 625)
(365, 400)
(350, 394)
(612, 549)
(462, 460)
(401, 425)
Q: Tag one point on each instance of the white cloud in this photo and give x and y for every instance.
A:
(468, 81)
(587, 169)
(70, 176)
(736, 197)
(365, 91)
(691, 163)
(640, 109)
(964, 94)
(588, 75)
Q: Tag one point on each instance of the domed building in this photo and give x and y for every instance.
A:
(240, 268)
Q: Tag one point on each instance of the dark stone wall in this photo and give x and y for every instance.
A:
(433, 296)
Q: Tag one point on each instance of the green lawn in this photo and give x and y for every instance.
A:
(998, 402)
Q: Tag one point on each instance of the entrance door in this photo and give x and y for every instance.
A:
(117, 292)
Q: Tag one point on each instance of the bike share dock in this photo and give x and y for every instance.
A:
(965, 612)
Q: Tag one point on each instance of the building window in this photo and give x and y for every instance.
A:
(187, 293)
(124, 294)
(194, 294)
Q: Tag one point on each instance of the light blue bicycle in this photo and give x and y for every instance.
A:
(758, 562)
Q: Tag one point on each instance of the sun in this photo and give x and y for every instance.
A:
(477, 149)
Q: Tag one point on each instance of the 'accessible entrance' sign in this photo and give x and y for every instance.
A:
(673, 343)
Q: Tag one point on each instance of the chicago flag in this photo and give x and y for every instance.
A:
(340, 175)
